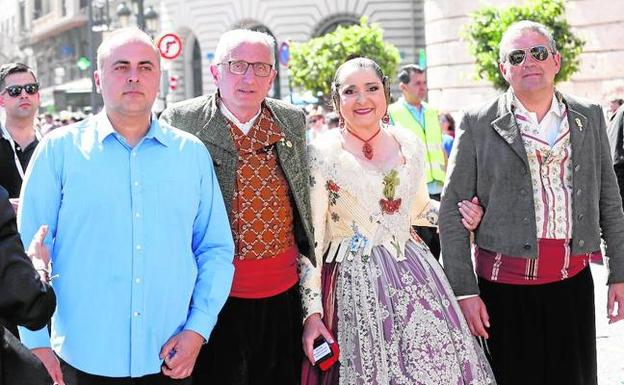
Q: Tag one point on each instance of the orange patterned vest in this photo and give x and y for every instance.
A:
(262, 213)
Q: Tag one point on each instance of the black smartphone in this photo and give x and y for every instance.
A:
(322, 351)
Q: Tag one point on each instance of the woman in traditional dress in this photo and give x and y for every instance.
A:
(376, 287)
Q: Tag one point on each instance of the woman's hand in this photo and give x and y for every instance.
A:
(471, 212)
(312, 329)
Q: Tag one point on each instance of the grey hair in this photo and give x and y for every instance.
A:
(233, 38)
(516, 29)
(124, 35)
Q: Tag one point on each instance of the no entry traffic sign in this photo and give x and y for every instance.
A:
(170, 46)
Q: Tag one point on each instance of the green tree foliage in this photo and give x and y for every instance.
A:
(313, 63)
(488, 24)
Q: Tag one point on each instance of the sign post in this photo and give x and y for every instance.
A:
(170, 46)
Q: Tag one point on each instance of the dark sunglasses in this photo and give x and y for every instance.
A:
(15, 91)
(517, 56)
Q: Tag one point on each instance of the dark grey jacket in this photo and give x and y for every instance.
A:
(201, 117)
(24, 300)
(489, 161)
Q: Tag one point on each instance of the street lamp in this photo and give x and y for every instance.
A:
(151, 20)
(146, 20)
(123, 14)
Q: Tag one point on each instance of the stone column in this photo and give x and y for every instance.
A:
(451, 75)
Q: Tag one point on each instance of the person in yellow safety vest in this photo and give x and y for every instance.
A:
(412, 113)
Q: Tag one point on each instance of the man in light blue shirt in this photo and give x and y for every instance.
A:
(141, 245)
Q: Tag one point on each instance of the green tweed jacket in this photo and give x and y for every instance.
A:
(201, 117)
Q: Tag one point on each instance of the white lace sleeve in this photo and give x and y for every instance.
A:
(310, 276)
(425, 210)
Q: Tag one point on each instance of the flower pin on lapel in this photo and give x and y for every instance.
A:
(579, 124)
(285, 142)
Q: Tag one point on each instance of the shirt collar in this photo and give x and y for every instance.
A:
(104, 128)
(412, 107)
(556, 105)
(230, 116)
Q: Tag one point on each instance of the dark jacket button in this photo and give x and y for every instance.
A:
(527, 246)
(581, 242)
(217, 162)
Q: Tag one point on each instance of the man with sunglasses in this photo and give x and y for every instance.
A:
(539, 161)
(20, 99)
(258, 148)
(19, 96)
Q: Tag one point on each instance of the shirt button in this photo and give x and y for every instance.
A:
(136, 183)
(138, 215)
(136, 313)
(138, 247)
(134, 153)
(137, 280)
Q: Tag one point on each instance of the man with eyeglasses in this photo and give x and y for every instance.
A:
(20, 99)
(539, 161)
(258, 148)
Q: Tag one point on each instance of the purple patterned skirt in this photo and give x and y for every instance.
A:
(396, 323)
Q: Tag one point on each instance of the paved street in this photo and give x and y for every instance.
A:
(610, 338)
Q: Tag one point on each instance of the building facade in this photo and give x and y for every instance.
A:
(53, 36)
(201, 23)
(57, 39)
(451, 69)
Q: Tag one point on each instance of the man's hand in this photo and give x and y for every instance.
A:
(312, 329)
(471, 212)
(476, 316)
(51, 363)
(615, 295)
(179, 354)
(37, 250)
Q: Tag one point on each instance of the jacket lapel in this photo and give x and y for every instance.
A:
(505, 125)
(286, 149)
(216, 130)
(578, 125)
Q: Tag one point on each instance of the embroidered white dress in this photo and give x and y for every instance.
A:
(379, 289)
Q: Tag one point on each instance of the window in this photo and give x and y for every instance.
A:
(42, 8)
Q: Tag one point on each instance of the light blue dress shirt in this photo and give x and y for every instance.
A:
(139, 239)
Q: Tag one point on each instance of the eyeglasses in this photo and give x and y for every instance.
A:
(239, 67)
(15, 91)
(517, 56)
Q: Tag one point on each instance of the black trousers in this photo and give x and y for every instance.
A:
(430, 234)
(255, 342)
(73, 376)
(542, 334)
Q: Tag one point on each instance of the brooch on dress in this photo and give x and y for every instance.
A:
(389, 205)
